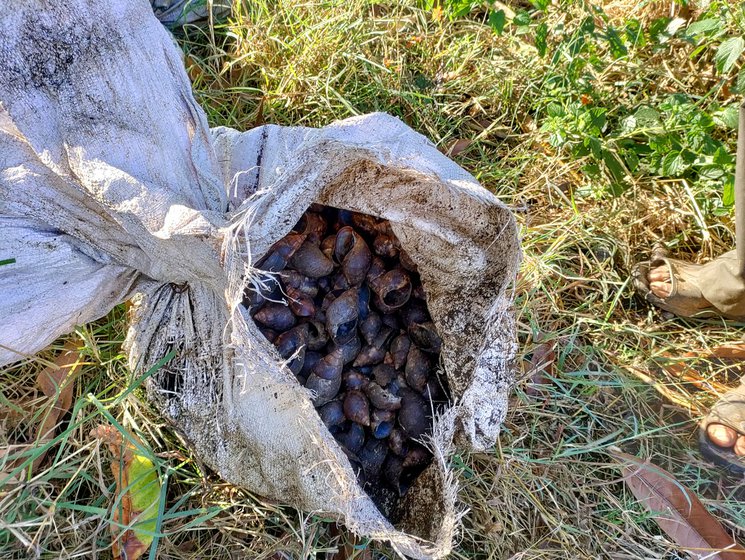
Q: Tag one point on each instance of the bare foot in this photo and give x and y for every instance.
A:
(659, 281)
(725, 437)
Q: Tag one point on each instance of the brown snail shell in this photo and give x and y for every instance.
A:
(270, 334)
(317, 335)
(385, 246)
(330, 366)
(312, 225)
(392, 290)
(382, 399)
(357, 408)
(417, 456)
(303, 284)
(327, 246)
(418, 366)
(308, 260)
(376, 270)
(384, 374)
(400, 350)
(365, 222)
(425, 337)
(368, 356)
(345, 239)
(357, 261)
(281, 252)
(397, 442)
(341, 316)
(324, 389)
(276, 316)
(355, 380)
(349, 350)
(300, 304)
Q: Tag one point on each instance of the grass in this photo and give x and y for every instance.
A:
(549, 490)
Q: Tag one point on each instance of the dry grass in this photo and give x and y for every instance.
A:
(549, 490)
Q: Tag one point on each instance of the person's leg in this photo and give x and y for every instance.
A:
(716, 288)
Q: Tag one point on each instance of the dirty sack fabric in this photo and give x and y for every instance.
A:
(112, 187)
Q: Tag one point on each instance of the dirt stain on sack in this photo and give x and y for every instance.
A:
(50, 50)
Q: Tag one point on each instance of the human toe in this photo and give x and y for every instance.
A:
(661, 289)
(659, 274)
(724, 436)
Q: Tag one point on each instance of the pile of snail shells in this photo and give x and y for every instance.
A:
(347, 309)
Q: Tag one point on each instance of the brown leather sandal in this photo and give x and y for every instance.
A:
(714, 289)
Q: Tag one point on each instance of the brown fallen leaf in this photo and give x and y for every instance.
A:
(137, 482)
(678, 511)
(57, 382)
(541, 367)
(456, 147)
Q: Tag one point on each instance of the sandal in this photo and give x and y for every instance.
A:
(714, 289)
(728, 411)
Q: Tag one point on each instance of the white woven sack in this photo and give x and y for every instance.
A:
(112, 187)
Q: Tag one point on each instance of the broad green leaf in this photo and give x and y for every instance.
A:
(647, 117)
(540, 4)
(497, 20)
(673, 164)
(522, 18)
(541, 34)
(728, 191)
(704, 27)
(614, 167)
(727, 117)
(728, 53)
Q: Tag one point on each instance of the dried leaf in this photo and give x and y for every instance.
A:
(138, 485)
(678, 511)
(57, 382)
(541, 367)
(457, 146)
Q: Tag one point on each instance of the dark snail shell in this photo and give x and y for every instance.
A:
(353, 438)
(308, 260)
(418, 366)
(425, 336)
(324, 389)
(369, 355)
(385, 246)
(414, 416)
(400, 350)
(372, 455)
(357, 408)
(275, 316)
(330, 366)
(349, 350)
(370, 327)
(392, 290)
(332, 413)
(357, 261)
(341, 316)
(384, 374)
(355, 380)
(382, 399)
